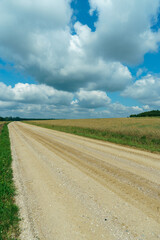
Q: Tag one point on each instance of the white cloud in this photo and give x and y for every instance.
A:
(42, 94)
(34, 94)
(41, 101)
(7, 105)
(36, 37)
(139, 72)
(146, 90)
(92, 99)
(146, 107)
(120, 110)
(123, 31)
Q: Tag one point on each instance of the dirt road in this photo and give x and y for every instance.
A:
(74, 188)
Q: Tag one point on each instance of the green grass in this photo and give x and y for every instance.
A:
(9, 217)
(143, 142)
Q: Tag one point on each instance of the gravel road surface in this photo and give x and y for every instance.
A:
(75, 188)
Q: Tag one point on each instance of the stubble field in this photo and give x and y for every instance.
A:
(137, 132)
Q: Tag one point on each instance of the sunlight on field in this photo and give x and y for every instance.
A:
(136, 132)
(149, 127)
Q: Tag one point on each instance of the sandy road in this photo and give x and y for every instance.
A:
(74, 188)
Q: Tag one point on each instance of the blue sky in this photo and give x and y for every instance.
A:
(79, 59)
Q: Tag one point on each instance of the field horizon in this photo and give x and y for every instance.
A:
(141, 133)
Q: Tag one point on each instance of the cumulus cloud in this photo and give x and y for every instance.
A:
(34, 94)
(75, 111)
(75, 70)
(42, 94)
(36, 37)
(118, 109)
(146, 90)
(24, 24)
(123, 31)
(92, 99)
(108, 110)
(41, 101)
(141, 71)
(146, 107)
(7, 105)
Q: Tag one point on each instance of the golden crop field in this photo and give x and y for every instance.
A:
(137, 132)
(133, 126)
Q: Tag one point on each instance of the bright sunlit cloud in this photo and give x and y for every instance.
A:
(86, 64)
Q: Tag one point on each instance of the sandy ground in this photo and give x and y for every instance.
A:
(75, 188)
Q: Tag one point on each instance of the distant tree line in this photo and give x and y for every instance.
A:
(20, 119)
(10, 119)
(153, 113)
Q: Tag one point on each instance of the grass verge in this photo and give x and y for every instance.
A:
(144, 142)
(9, 217)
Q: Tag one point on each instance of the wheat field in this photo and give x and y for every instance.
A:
(149, 127)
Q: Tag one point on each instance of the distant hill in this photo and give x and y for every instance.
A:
(153, 113)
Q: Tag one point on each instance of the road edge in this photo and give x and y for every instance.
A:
(26, 225)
